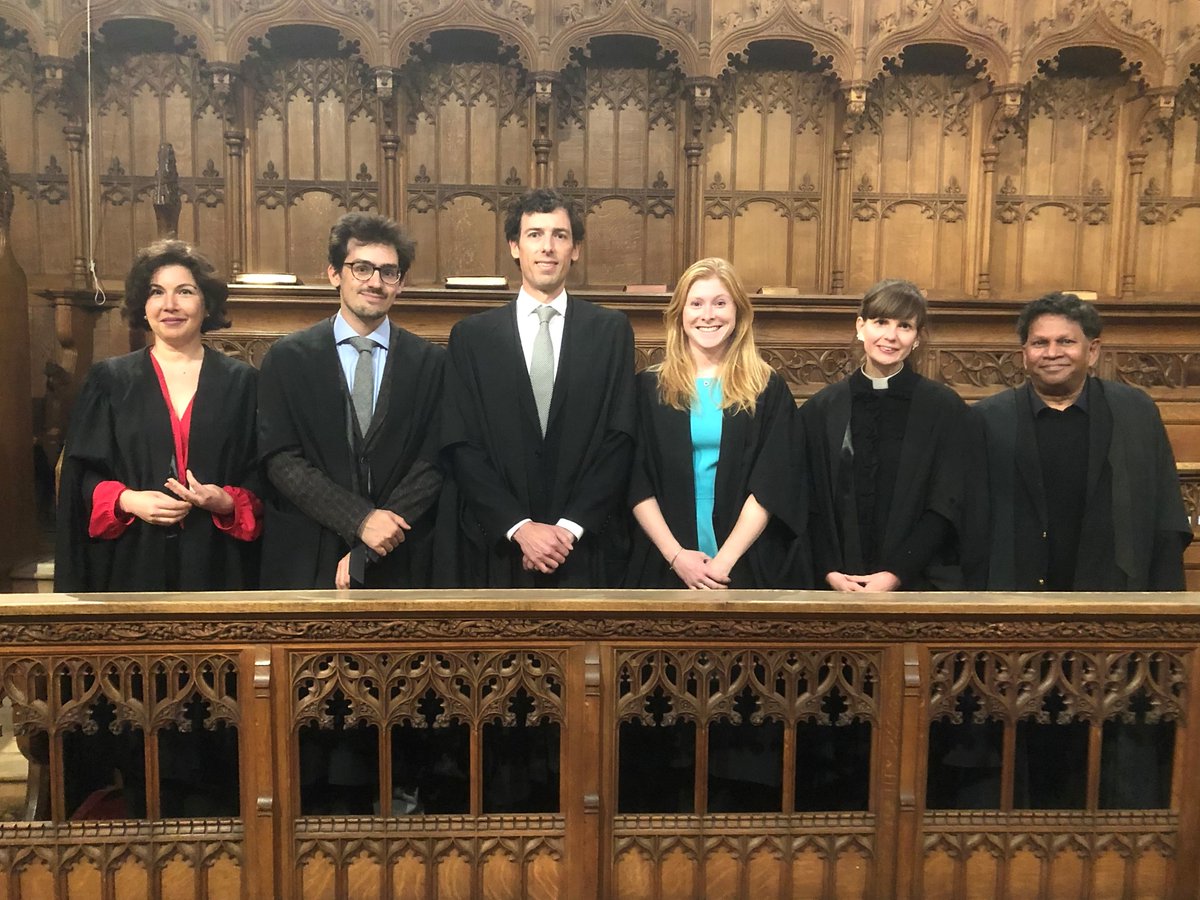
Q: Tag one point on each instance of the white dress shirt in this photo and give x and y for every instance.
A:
(527, 329)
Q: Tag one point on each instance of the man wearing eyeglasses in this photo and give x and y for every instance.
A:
(347, 427)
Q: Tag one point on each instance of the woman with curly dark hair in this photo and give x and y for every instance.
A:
(157, 489)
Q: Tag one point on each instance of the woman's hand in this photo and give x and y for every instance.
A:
(210, 497)
(840, 581)
(154, 507)
(695, 569)
(875, 582)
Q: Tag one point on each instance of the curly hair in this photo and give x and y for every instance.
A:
(541, 200)
(370, 228)
(148, 260)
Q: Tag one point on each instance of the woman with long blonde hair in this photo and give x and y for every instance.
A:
(714, 484)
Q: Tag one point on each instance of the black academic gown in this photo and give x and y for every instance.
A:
(757, 456)
(121, 431)
(502, 468)
(930, 477)
(1133, 497)
(304, 406)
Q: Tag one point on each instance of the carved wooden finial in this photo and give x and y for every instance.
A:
(166, 193)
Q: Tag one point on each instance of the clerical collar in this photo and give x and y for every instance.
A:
(880, 384)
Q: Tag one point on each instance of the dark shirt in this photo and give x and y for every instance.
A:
(1062, 440)
(878, 425)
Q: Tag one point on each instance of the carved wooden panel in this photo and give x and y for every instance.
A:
(767, 183)
(1168, 211)
(616, 152)
(465, 854)
(142, 101)
(467, 156)
(313, 156)
(1055, 225)
(911, 182)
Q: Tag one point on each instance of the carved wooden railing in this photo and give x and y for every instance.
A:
(606, 744)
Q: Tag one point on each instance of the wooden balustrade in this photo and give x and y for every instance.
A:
(604, 744)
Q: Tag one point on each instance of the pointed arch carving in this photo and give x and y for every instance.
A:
(942, 27)
(74, 26)
(468, 16)
(1096, 29)
(626, 19)
(785, 24)
(351, 29)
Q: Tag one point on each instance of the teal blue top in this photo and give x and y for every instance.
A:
(706, 450)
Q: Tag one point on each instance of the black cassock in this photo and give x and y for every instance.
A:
(121, 431)
(503, 470)
(760, 455)
(930, 480)
(305, 407)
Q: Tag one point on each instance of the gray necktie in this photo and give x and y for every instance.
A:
(362, 392)
(541, 365)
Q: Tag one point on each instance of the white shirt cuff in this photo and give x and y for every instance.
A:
(509, 534)
(571, 527)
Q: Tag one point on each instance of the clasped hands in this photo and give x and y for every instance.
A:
(877, 581)
(699, 571)
(163, 509)
(383, 531)
(543, 547)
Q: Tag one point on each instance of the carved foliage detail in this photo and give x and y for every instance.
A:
(145, 692)
(1090, 686)
(1157, 370)
(472, 687)
(787, 686)
(1092, 101)
(945, 97)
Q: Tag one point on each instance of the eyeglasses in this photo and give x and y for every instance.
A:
(363, 271)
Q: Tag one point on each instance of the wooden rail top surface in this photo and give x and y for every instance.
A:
(614, 604)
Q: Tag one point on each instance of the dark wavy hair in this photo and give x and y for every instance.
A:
(370, 228)
(148, 260)
(1068, 306)
(542, 200)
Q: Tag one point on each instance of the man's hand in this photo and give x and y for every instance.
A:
(881, 581)
(383, 531)
(543, 547)
(154, 507)
(341, 579)
(211, 497)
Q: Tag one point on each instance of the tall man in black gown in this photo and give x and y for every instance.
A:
(1082, 492)
(539, 423)
(348, 435)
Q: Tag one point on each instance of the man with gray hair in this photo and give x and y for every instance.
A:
(1081, 491)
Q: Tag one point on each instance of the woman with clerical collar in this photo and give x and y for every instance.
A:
(886, 459)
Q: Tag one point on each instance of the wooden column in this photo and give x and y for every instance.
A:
(18, 525)
(226, 86)
(543, 140)
(699, 108)
(389, 141)
(856, 105)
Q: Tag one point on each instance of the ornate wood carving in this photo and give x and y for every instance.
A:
(1091, 686)
(787, 686)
